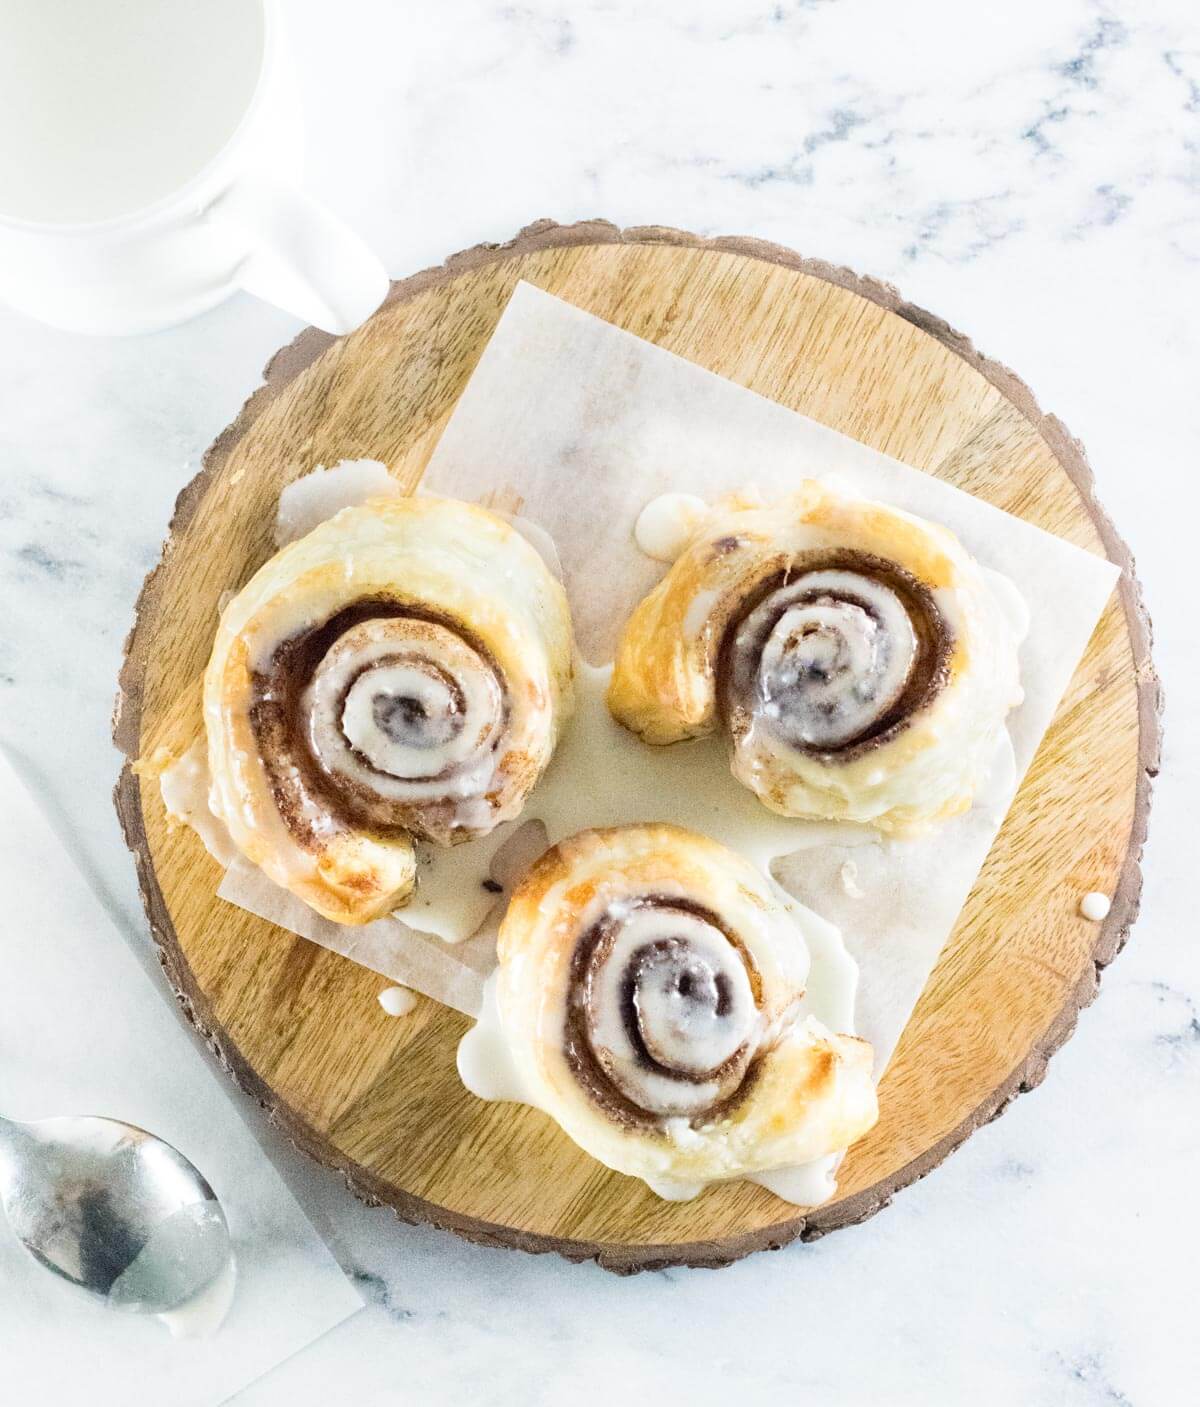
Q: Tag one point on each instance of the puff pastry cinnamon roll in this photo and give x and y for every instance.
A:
(400, 673)
(649, 994)
(857, 657)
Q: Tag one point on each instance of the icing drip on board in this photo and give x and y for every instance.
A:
(667, 523)
(397, 1001)
(1095, 906)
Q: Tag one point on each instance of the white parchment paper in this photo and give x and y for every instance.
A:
(577, 424)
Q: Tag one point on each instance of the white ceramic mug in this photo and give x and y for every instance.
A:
(150, 152)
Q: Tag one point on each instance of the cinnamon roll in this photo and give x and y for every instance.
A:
(400, 673)
(649, 993)
(858, 659)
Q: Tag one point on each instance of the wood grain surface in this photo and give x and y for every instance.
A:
(301, 1029)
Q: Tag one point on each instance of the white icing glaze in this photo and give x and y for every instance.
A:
(684, 1035)
(805, 1186)
(415, 701)
(602, 775)
(1012, 603)
(1095, 906)
(487, 1067)
(667, 524)
(310, 500)
(674, 1191)
(485, 1063)
(848, 874)
(538, 538)
(185, 791)
(997, 787)
(455, 889)
(823, 657)
(397, 1001)
(831, 992)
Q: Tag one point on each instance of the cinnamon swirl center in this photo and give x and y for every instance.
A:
(384, 716)
(663, 1017)
(406, 707)
(832, 654)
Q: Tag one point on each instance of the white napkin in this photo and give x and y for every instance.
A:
(82, 1031)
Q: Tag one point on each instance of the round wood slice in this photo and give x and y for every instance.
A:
(301, 1030)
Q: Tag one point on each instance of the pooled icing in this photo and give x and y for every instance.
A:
(309, 500)
(666, 524)
(185, 785)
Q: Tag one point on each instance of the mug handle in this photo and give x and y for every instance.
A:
(302, 257)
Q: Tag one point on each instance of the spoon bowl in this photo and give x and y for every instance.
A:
(112, 1209)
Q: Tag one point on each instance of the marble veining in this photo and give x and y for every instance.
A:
(1182, 1032)
(377, 1291)
(1087, 1378)
(1032, 174)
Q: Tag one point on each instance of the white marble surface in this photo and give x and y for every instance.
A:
(1030, 171)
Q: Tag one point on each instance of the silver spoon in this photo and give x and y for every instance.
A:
(113, 1209)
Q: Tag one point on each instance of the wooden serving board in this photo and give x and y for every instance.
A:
(300, 1028)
